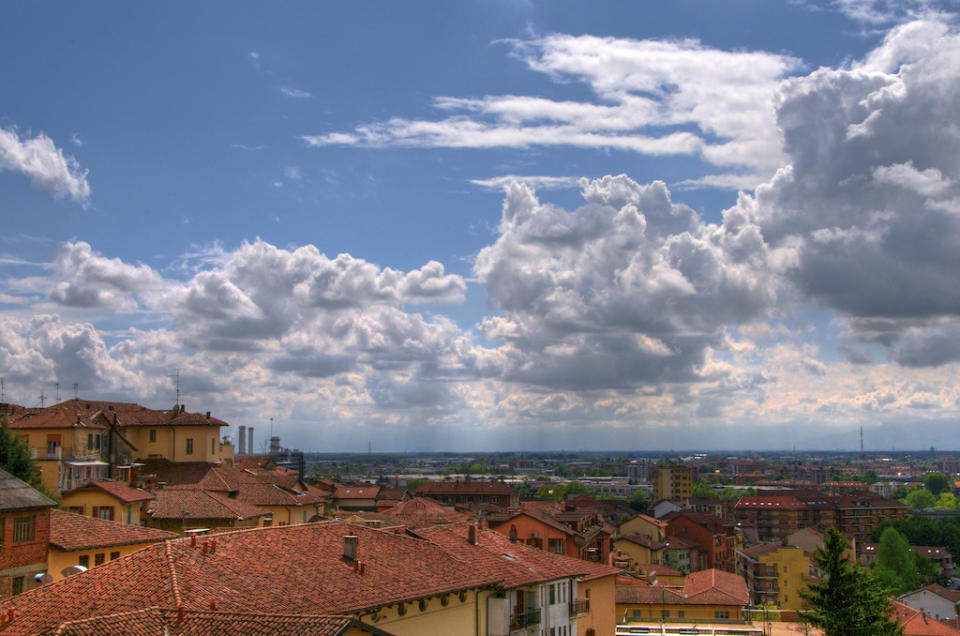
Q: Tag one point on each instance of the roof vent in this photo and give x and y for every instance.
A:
(351, 544)
(472, 535)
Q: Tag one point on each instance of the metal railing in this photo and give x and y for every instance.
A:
(529, 617)
(579, 607)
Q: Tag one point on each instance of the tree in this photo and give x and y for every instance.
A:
(936, 483)
(847, 601)
(15, 456)
(947, 501)
(919, 498)
(895, 563)
(638, 500)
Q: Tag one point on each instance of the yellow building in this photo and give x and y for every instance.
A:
(67, 447)
(88, 542)
(640, 550)
(180, 437)
(673, 482)
(705, 596)
(776, 575)
(108, 500)
(181, 509)
(644, 525)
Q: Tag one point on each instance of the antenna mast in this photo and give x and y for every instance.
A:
(42, 397)
(76, 390)
(1, 390)
(58, 393)
(861, 441)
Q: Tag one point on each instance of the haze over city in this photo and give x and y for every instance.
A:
(490, 225)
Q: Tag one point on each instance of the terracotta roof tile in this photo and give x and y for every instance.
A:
(432, 488)
(346, 491)
(641, 540)
(706, 587)
(118, 489)
(193, 503)
(916, 623)
(423, 511)
(55, 418)
(69, 531)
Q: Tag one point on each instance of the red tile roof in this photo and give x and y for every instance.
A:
(515, 563)
(54, 418)
(296, 569)
(641, 540)
(951, 595)
(706, 587)
(265, 494)
(423, 511)
(193, 503)
(759, 550)
(355, 492)
(70, 531)
(131, 414)
(118, 489)
(916, 623)
(154, 620)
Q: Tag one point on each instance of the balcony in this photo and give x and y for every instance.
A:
(579, 608)
(528, 618)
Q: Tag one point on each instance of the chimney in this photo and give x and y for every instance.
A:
(250, 441)
(351, 544)
(208, 415)
(243, 440)
(183, 408)
(472, 535)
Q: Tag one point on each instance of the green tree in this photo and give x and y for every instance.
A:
(920, 498)
(638, 500)
(15, 456)
(946, 501)
(847, 601)
(413, 484)
(936, 483)
(895, 563)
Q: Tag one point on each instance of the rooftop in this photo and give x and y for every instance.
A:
(69, 531)
(16, 494)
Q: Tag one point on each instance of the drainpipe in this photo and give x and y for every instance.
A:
(476, 612)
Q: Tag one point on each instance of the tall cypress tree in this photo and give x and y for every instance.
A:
(847, 601)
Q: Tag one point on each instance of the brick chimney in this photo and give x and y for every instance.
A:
(351, 545)
(472, 535)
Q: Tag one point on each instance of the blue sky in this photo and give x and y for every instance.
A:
(775, 262)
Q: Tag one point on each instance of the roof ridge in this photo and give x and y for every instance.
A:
(174, 585)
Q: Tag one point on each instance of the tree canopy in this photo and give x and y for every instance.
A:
(919, 498)
(847, 601)
(15, 456)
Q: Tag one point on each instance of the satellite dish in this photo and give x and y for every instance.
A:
(73, 569)
(42, 578)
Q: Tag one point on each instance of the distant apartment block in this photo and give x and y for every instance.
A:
(673, 482)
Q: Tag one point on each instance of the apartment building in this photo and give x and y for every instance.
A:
(673, 482)
(776, 574)
(24, 534)
(716, 542)
(470, 493)
(776, 515)
(705, 596)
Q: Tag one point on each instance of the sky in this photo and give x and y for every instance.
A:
(490, 225)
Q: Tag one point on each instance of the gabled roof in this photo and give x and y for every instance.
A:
(16, 494)
(641, 540)
(265, 494)
(54, 418)
(193, 503)
(130, 414)
(917, 623)
(117, 489)
(951, 595)
(760, 549)
(706, 587)
(423, 511)
(355, 492)
(70, 531)
(297, 569)
(545, 519)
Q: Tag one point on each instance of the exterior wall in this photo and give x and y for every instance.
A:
(673, 482)
(171, 442)
(87, 500)
(50, 474)
(636, 612)
(27, 558)
(932, 604)
(290, 515)
(637, 553)
(73, 445)
(457, 618)
(57, 560)
(526, 527)
(642, 526)
(602, 595)
(793, 575)
(711, 554)
(677, 559)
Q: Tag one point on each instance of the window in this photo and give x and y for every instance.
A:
(89, 441)
(23, 529)
(189, 446)
(84, 560)
(555, 546)
(77, 510)
(153, 435)
(213, 442)
(96, 439)
(98, 558)
(665, 613)
(553, 594)
(103, 512)
(16, 585)
(114, 555)
(721, 614)
(495, 500)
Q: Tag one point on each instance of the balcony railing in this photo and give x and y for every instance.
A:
(526, 619)
(579, 607)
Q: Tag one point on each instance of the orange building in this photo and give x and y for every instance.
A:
(587, 541)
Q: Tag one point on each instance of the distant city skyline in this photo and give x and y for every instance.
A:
(490, 225)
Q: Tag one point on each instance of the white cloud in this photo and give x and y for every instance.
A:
(45, 164)
(294, 92)
(641, 88)
(84, 278)
(535, 182)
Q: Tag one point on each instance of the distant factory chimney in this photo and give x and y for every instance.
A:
(243, 440)
(250, 440)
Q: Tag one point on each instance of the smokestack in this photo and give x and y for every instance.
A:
(243, 440)
(274, 445)
(351, 544)
(250, 441)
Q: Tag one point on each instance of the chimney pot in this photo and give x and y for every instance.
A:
(193, 540)
(472, 535)
(208, 415)
(351, 544)
(179, 612)
(363, 567)
(183, 408)
(205, 547)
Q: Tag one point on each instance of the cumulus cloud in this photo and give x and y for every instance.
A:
(88, 279)
(649, 94)
(535, 182)
(45, 164)
(294, 92)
